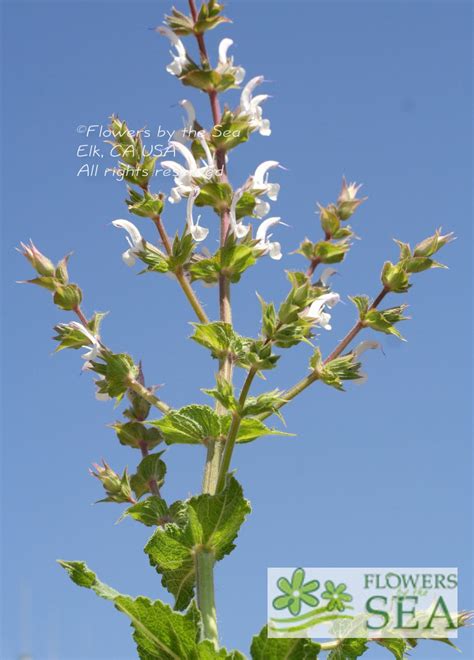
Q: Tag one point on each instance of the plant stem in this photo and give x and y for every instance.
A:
(204, 566)
(205, 562)
(145, 393)
(308, 380)
(179, 273)
(233, 432)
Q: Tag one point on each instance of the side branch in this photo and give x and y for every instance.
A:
(180, 275)
(312, 377)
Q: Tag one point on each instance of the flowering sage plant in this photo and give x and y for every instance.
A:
(190, 536)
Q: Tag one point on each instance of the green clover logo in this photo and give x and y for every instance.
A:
(336, 596)
(296, 592)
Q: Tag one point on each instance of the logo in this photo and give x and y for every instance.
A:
(362, 602)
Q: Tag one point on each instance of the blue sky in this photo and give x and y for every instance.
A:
(378, 476)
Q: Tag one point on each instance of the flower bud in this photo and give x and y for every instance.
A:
(117, 488)
(347, 202)
(330, 221)
(39, 261)
(395, 278)
(432, 244)
(67, 297)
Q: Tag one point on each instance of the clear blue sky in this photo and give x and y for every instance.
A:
(378, 476)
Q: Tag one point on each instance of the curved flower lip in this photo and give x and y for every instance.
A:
(272, 248)
(246, 96)
(250, 107)
(180, 59)
(94, 341)
(198, 233)
(224, 46)
(226, 63)
(315, 312)
(134, 239)
(187, 178)
(238, 228)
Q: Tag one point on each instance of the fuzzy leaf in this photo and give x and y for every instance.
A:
(212, 524)
(154, 512)
(192, 424)
(159, 632)
(349, 649)
(251, 429)
(150, 468)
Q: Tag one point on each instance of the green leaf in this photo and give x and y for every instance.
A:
(81, 575)
(362, 303)
(118, 369)
(135, 434)
(232, 260)
(154, 512)
(159, 632)
(181, 251)
(151, 468)
(221, 339)
(216, 195)
(383, 321)
(265, 648)
(212, 524)
(147, 205)
(192, 424)
(230, 132)
(155, 260)
(251, 429)
(349, 649)
(268, 402)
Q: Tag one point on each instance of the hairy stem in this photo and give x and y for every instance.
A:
(233, 432)
(180, 275)
(145, 393)
(204, 565)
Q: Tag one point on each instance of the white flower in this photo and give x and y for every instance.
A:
(185, 178)
(326, 275)
(259, 182)
(134, 239)
(225, 64)
(357, 352)
(315, 312)
(94, 349)
(186, 133)
(250, 107)
(365, 346)
(273, 249)
(197, 232)
(180, 59)
(238, 228)
(348, 191)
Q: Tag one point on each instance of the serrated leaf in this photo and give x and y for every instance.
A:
(251, 429)
(151, 468)
(135, 434)
(194, 424)
(266, 648)
(213, 522)
(150, 512)
(159, 632)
